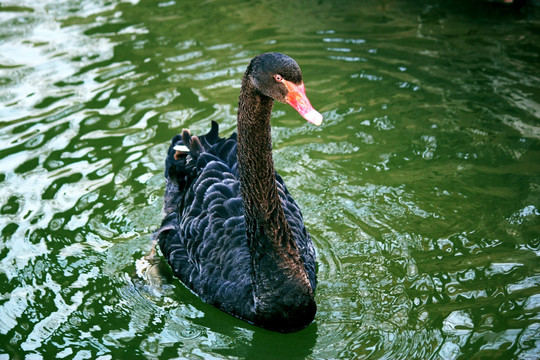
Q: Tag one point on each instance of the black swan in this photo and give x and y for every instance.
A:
(232, 233)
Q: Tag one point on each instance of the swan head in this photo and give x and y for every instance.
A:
(278, 76)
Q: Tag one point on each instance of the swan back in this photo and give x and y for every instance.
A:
(203, 235)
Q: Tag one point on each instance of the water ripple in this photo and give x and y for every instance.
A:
(420, 189)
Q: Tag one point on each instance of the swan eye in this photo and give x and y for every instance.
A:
(278, 78)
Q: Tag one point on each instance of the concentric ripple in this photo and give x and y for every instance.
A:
(421, 188)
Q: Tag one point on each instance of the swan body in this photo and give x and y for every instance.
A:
(232, 233)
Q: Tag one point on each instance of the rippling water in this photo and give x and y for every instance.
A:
(421, 189)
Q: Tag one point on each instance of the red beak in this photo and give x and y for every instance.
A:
(298, 100)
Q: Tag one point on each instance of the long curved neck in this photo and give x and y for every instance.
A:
(263, 210)
(273, 249)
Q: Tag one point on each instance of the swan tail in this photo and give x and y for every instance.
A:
(181, 163)
(183, 153)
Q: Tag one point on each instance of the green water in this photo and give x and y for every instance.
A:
(421, 189)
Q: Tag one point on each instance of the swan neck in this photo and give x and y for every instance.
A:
(256, 166)
(267, 229)
(279, 279)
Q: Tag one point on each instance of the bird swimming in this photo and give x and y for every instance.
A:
(232, 233)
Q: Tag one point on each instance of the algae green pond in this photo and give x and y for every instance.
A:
(421, 189)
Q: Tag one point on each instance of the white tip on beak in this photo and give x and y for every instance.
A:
(314, 117)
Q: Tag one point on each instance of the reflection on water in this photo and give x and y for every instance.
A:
(421, 189)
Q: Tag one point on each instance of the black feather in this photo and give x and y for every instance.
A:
(204, 235)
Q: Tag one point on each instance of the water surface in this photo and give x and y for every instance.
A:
(421, 189)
